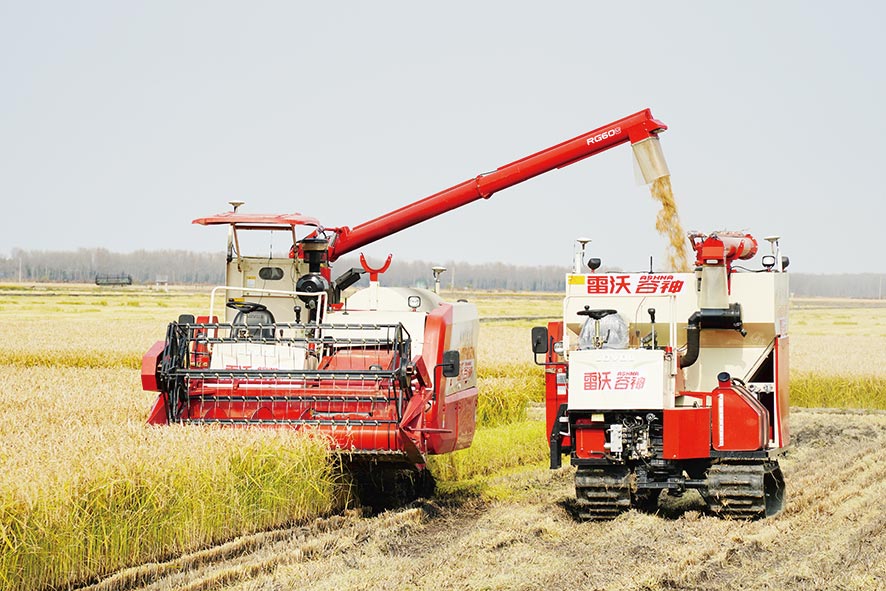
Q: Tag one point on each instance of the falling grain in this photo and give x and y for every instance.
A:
(668, 224)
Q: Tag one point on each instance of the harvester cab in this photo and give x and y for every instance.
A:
(669, 381)
(292, 285)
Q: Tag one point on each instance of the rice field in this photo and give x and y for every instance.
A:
(838, 354)
(87, 488)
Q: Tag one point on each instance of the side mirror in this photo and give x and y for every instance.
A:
(451, 363)
(539, 340)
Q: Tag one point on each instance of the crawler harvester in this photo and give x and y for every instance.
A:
(661, 381)
(389, 376)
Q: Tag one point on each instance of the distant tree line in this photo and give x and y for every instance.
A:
(82, 265)
(871, 286)
(186, 267)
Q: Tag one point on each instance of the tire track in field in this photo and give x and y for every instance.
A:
(835, 515)
(832, 534)
(533, 544)
(250, 555)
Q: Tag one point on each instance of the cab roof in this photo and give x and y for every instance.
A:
(259, 221)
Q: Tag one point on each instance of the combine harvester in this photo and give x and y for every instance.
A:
(389, 376)
(670, 381)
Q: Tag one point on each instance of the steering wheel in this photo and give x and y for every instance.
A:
(596, 314)
(246, 307)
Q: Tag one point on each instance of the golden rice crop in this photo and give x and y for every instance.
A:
(511, 305)
(494, 449)
(828, 391)
(838, 341)
(504, 343)
(87, 487)
(505, 392)
(838, 355)
(89, 340)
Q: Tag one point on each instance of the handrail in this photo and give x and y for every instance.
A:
(321, 297)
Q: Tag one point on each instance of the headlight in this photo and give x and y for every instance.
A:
(558, 347)
(414, 301)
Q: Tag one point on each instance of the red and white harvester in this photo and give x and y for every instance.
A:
(670, 381)
(389, 374)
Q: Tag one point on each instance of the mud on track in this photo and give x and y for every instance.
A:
(831, 535)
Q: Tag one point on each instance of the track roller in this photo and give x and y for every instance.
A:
(745, 490)
(602, 492)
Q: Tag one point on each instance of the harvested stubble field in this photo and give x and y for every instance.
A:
(87, 490)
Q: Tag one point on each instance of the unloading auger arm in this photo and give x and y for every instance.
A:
(640, 129)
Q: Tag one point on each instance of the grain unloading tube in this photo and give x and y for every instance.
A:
(650, 159)
(641, 129)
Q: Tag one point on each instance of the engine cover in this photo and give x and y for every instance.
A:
(618, 379)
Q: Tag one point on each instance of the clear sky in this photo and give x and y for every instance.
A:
(120, 122)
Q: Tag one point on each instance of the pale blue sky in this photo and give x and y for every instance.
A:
(122, 121)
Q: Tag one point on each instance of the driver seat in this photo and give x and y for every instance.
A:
(252, 320)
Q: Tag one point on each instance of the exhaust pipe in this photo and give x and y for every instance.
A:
(693, 334)
(709, 318)
(650, 159)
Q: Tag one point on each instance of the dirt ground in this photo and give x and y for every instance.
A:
(831, 535)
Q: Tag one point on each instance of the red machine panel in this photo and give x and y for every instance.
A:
(687, 433)
(149, 367)
(782, 393)
(555, 382)
(589, 441)
(740, 422)
(441, 415)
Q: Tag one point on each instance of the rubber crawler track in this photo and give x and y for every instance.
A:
(745, 490)
(602, 493)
